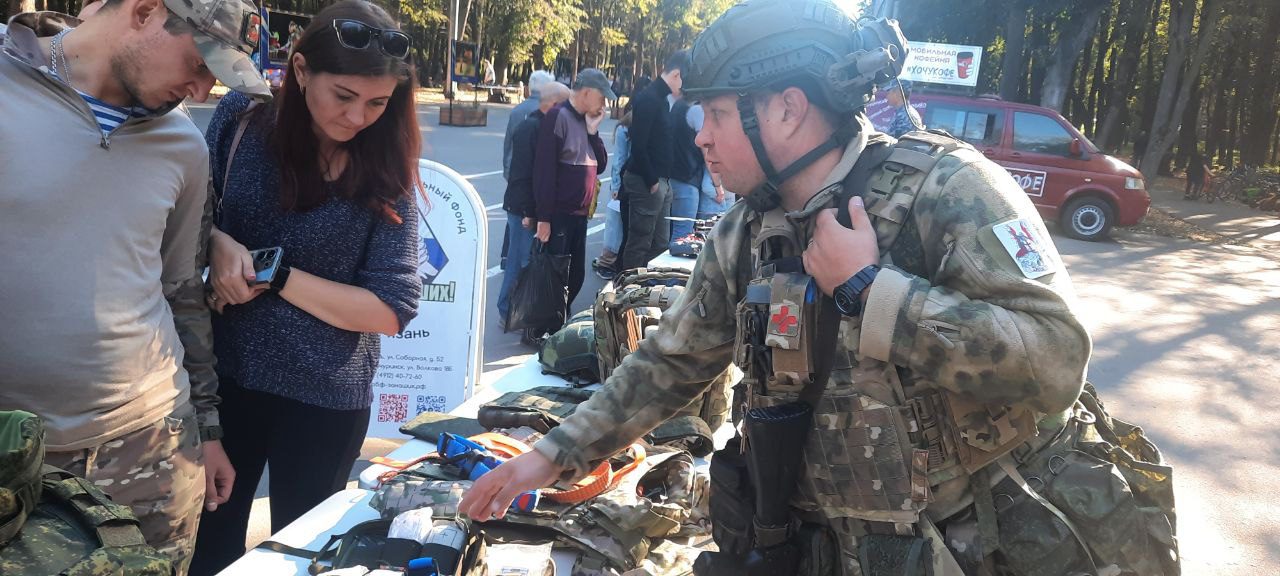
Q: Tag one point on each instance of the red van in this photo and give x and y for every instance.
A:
(1067, 177)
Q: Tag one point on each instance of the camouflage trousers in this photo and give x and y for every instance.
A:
(158, 472)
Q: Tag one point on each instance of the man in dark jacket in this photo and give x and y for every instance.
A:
(518, 200)
(646, 195)
(568, 159)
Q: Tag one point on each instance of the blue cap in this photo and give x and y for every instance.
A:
(893, 85)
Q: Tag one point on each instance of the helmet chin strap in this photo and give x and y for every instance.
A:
(768, 195)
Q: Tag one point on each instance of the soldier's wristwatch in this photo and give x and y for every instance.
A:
(848, 296)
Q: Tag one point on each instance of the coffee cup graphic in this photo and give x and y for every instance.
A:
(964, 64)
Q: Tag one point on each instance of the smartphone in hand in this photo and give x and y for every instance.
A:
(265, 263)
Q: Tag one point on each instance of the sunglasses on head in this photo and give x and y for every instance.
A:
(357, 35)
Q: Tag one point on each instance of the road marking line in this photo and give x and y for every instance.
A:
(496, 270)
(492, 207)
(484, 175)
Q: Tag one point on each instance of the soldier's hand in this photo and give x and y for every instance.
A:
(219, 475)
(494, 492)
(836, 253)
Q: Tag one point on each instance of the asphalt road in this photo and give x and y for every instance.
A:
(1186, 344)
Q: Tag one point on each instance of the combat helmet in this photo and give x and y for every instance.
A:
(762, 44)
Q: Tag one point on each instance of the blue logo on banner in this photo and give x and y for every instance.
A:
(431, 256)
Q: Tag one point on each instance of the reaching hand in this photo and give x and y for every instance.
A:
(494, 492)
(836, 253)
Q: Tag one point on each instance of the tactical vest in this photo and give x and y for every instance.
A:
(52, 522)
(632, 304)
(861, 457)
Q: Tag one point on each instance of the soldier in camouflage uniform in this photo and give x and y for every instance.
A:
(958, 357)
(131, 403)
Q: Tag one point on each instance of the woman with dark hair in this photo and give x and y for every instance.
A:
(328, 173)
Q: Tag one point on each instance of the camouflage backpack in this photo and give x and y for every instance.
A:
(632, 304)
(52, 522)
(571, 352)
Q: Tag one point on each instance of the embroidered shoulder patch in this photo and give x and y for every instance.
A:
(1024, 243)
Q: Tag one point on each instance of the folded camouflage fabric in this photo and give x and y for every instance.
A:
(428, 426)
(539, 408)
(689, 433)
(404, 493)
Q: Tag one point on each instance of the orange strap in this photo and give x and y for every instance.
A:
(501, 445)
(599, 481)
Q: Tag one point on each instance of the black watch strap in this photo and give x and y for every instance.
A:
(282, 277)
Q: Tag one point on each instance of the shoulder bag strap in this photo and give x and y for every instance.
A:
(231, 154)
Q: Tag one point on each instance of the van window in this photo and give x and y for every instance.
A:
(1041, 134)
(975, 126)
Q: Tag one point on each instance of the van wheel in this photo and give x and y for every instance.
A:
(1088, 218)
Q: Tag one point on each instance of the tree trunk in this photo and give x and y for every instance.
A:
(1013, 68)
(1094, 88)
(1126, 66)
(1189, 134)
(1062, 59)
(1150, 88)
(1038, 50)
(1261, 113)
(1174, 91)
(1221, 96)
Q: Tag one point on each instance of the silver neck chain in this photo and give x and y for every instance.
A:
(58, 55)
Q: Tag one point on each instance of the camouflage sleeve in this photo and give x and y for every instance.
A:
(193, 219)
(980, 326)
(693, 344)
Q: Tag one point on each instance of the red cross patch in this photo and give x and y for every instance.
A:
(784, 322)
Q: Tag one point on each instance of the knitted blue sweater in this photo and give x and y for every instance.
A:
(270, 345)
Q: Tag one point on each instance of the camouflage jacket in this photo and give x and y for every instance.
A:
(184, 291)
(976, 326)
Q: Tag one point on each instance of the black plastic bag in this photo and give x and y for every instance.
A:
(540, 299)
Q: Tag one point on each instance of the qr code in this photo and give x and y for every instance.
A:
(393, 407)
(430, 404)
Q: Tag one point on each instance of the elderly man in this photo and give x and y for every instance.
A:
(518, 200)
(569, 157)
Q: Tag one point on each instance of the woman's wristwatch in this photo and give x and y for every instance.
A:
(281, 277)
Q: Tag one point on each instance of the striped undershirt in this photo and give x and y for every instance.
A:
(109, 116)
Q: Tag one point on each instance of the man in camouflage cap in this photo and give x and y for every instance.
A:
(103, 328)
(956, 337)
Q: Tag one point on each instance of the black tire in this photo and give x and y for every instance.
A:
(1089, 218)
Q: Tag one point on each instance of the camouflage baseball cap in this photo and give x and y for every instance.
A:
(227, 33)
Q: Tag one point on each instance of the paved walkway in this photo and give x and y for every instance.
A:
(1235, 221)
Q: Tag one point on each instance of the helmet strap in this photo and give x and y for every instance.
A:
(768, 195)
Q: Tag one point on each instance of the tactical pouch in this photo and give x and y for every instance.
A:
(890, 555)
(732, 500)
(819, 553)
(367, 544)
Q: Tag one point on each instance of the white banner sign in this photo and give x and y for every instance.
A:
(942, 64)
(435, 363)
